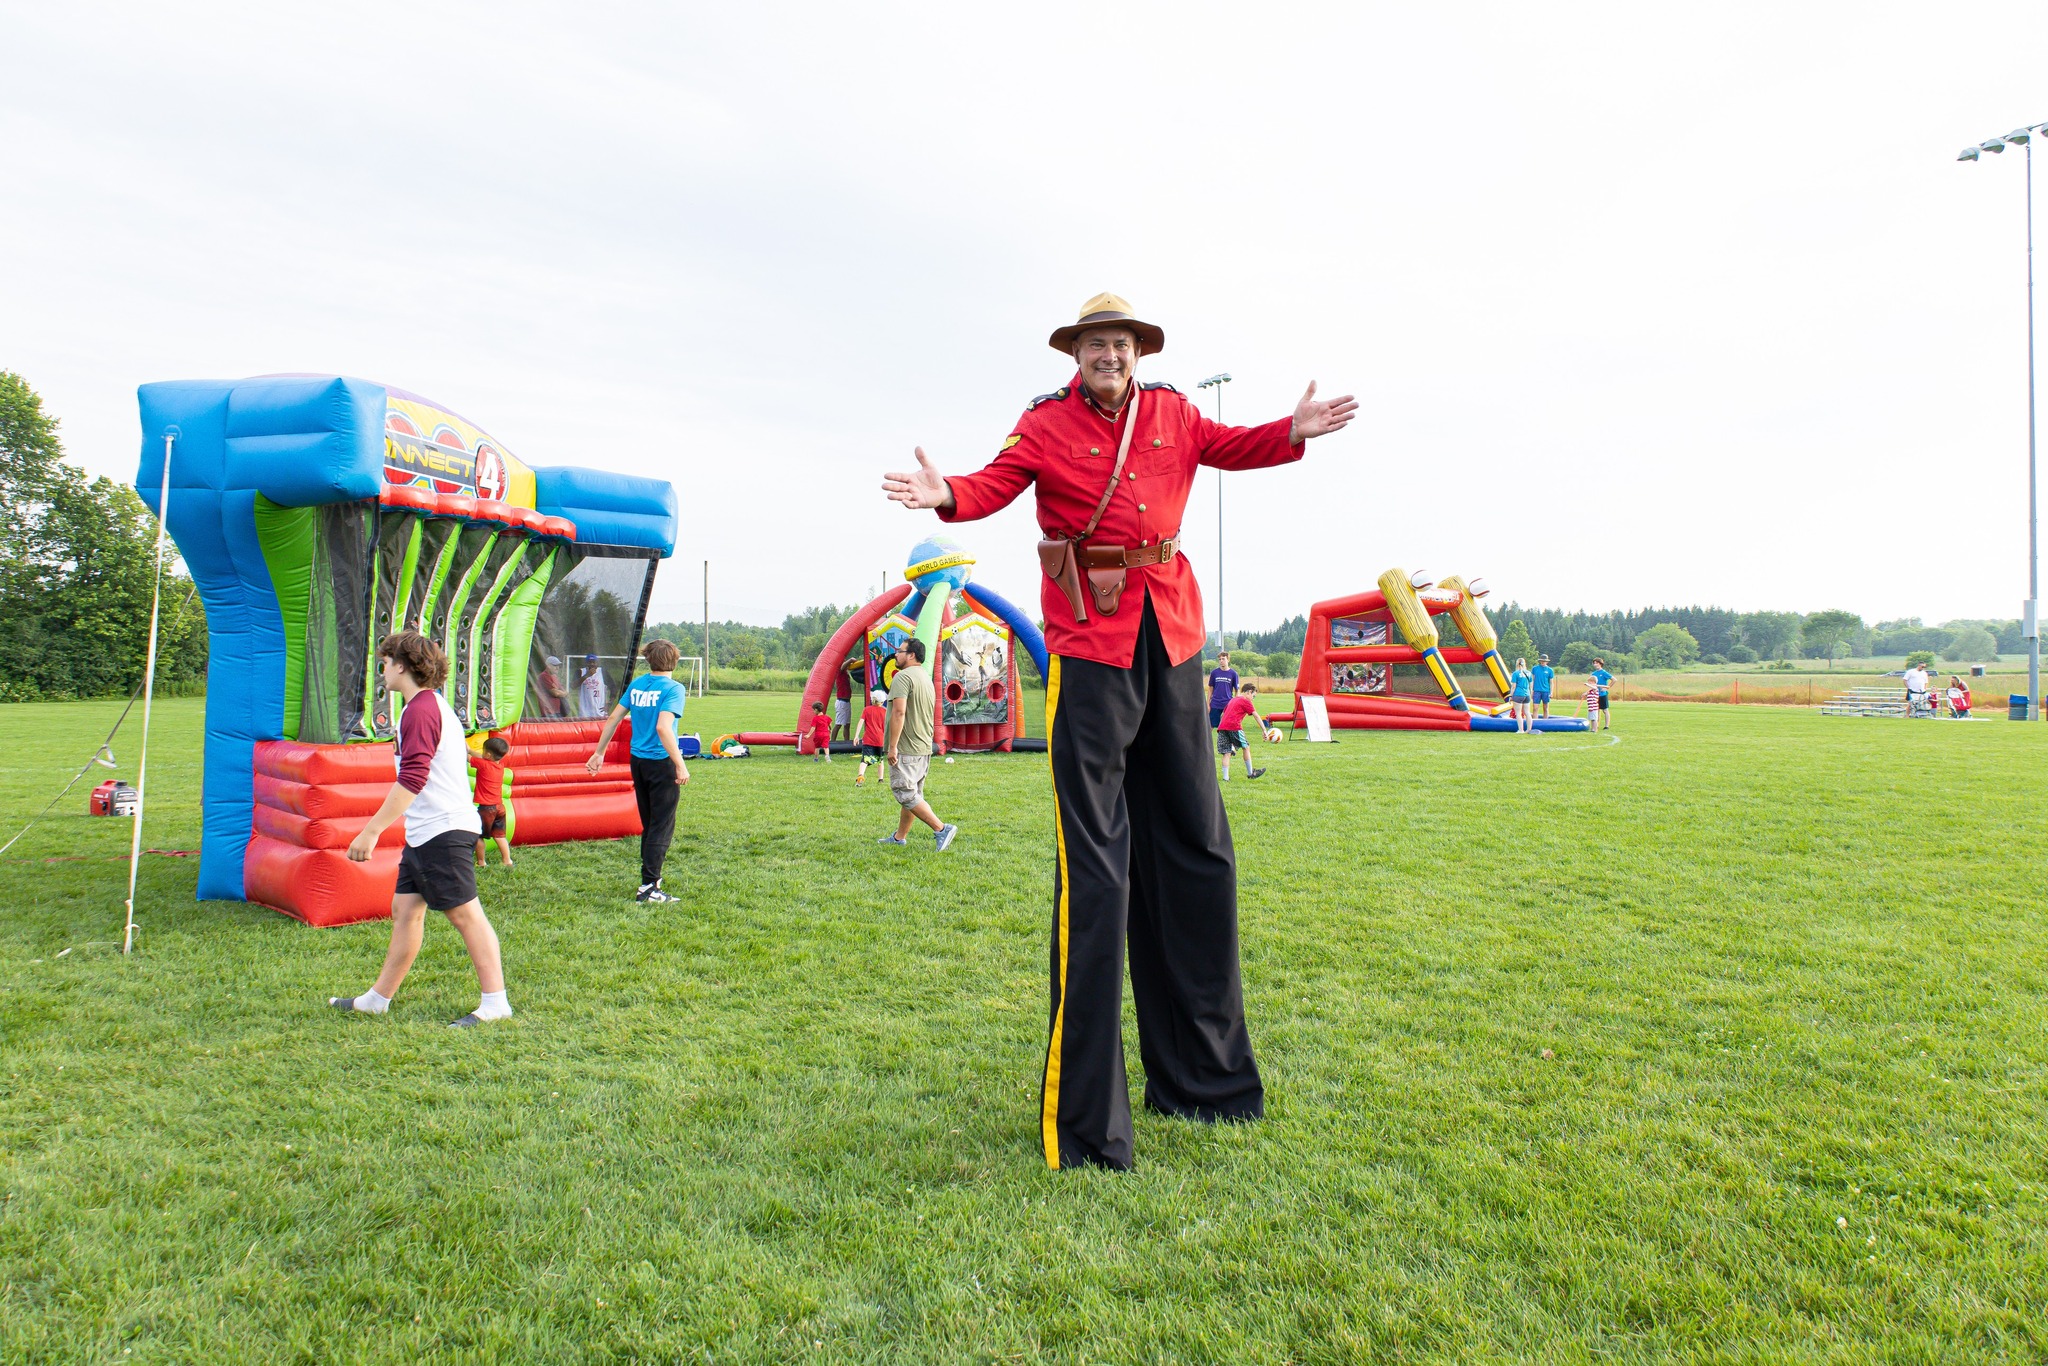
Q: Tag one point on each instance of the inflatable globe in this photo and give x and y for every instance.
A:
(938, 560)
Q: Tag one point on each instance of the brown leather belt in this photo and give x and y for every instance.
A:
(1125, 557)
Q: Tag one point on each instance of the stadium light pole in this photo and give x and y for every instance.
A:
(1217, 382)
(2029, 618)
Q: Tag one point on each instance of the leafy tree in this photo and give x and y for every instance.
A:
(1741, 654)
(1824, 632)
(1577, 657)
(1770, 634)
(1923, 658)
(1666, 645)
(1516, 643)
(77, 568)
(1283, 664)
(1973, 644)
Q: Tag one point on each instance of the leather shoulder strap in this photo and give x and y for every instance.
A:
(1123, 452)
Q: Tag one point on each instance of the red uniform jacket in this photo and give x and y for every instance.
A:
(1067, 447)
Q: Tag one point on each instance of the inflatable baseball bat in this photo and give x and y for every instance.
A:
(1477, 630)
(1398, 587)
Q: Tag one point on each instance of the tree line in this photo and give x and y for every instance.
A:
(76, 573)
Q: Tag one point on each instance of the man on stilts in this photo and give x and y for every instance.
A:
(1143, 846)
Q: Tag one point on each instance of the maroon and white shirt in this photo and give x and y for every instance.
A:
(433, 765)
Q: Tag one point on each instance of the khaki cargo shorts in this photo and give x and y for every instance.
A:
(906, 778)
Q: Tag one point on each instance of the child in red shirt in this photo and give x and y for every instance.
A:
(1230, 731)
(873, 718)
(490, 797)
(821, 733)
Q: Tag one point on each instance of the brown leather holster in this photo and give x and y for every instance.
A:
(1061, 563)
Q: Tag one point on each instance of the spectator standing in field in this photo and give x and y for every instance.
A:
(1222, 692)
(1592, 705)
(1521, 680)
(655, 701)
(591, 694)
(1602, 681)
(1958, 697)
(874, 721)
(433, 795)
(1543, 675)
(842, 705)
(1230, 731)
(1916, 688)
(908, 745)
(490, 797)
(821, 734)
(554, 698)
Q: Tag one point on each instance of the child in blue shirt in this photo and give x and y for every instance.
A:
(1543, 676)
(1603, 719)
(1521, 681)
(655, 702)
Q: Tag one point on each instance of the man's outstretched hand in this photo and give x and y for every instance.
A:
(925, 487)
(1313, 417)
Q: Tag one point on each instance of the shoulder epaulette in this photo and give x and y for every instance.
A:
(1162, 384)
(1059, 393)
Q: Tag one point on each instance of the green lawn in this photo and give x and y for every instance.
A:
(1797, 1108)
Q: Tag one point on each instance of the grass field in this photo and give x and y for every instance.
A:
(1790, 972)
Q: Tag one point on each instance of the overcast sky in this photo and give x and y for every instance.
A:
(1642, 309)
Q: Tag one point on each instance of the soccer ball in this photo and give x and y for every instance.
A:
(1273, 735)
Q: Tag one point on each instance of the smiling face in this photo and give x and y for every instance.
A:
(1109, 358)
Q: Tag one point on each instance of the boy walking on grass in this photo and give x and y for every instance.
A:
(1230, 730)
(874, 718)
(655, 701)
(909, 745)
(1543, 675)
(441, 833)
(821, 734)
(490, 797)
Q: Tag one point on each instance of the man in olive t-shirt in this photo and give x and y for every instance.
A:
(909, 744)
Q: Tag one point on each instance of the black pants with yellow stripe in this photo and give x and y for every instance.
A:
(1144, 859)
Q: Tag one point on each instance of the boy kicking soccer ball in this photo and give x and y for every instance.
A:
(436, 871)
(1230, 731)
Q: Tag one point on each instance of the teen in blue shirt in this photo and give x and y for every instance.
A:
(655, 702)
(1521, 680)
(1543, 675)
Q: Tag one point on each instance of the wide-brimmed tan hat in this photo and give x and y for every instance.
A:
(1109, 310)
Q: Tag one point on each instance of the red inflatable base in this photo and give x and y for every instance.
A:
(319, 886)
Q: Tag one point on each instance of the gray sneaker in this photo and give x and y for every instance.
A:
(897, 840)
(943, 837)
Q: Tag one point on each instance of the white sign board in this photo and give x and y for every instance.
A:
(1318, 717)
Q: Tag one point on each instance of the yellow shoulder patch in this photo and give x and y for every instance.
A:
(1012, 439)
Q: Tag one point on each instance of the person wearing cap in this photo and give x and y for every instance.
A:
(592, 697)
(554, 698)
(1143, 850)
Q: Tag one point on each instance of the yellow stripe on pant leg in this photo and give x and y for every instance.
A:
(1049, 1105)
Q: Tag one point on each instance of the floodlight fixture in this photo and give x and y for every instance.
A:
(1213, 381)
(1992, 146)
(2017, 137)
(1967, 154)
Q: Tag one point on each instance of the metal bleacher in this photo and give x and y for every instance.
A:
(1870, 701)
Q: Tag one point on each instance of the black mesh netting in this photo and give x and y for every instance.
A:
(337, 626)
(587, 631)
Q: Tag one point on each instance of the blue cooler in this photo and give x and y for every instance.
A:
(2016, 706)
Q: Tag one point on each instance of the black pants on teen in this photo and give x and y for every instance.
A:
(1144, 859)
(654, 792)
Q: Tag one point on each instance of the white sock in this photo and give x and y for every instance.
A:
(370, 1003)
(493, 1006)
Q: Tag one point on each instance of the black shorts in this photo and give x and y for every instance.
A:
(1603, 701)
(443, 870)
(1215, 717)
(1229, 742)
(870, 752)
